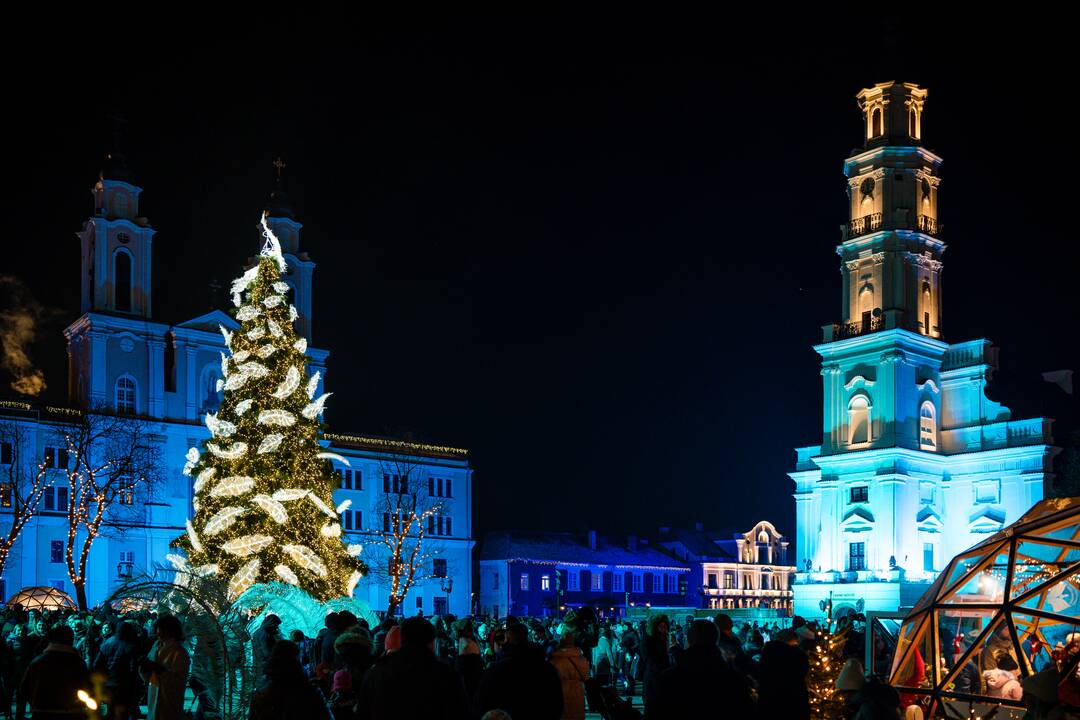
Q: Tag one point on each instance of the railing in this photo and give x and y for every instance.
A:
(865, 224)
(928, 225)
(854, 329)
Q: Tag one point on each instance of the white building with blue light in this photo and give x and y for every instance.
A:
(121, 358)
(915, 462)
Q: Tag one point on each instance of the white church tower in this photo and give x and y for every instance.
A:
(915, 463)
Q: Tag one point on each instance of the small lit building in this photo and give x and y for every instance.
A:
(542, 574)
(743, 570)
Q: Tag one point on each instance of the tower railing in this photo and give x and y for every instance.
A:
(865, 224)
(854, 329)
(928, 225)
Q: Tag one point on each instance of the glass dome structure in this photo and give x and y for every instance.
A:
(41, 598)
(995, 614)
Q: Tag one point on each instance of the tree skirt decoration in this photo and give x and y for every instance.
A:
(297, 609)
(41, 598)
(1002, 611)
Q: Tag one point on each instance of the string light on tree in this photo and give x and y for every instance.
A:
(255, 524)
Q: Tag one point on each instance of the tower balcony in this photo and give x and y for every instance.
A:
(928, 225)
(865, 224)
(854, 329)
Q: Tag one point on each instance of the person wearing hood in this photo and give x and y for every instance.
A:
(573, 669)
(263, 641)
(54, 678)
(287, 692)
(701, 684)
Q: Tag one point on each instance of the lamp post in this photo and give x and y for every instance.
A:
(446, 584)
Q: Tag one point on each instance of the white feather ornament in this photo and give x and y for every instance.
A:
(233, 486)
(222, 519)
(288, 385)
(192, 455)
(242, 407)
(306, 558)
(179, 562)
(206, 570)
(236, 299)
(301, 345)
(272, 508)
(234, 452)
(225, 333)
(241, 283)
(318, 502)
(352, 582)
(331, 530)
(266, 351)
(202, 479)
(243, 579)
(289, 494)
(281, 287)
(272, 246)
(235, 381)
(272, 301)
(293, 314)
(219, 385)
(225, 365)
(282, 418)
(241, 356)
(193, 537)
(270, 443)
(286, 574)
(354, 550)
(219, 428)
(247, 545)
(256, 333)
(345, 504)
(313, 385)
(335, 457)
(275, 329)
(254, 369)
(314, 409)
(248, 312)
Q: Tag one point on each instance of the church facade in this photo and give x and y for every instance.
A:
(122, 359)
(915, 462)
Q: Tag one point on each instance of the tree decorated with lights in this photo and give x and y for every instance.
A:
(263, 491)
(826, 662)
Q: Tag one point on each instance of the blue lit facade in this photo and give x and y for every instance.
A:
(121, 359)
(915, 462)
(542, 574)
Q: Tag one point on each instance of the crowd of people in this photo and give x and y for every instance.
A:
(455, 669)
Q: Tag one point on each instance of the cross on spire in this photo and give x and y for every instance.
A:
(280, 165)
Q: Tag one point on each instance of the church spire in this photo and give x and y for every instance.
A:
(278, 206)
(281, 217)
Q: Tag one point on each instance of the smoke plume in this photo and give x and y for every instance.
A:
(19, 319)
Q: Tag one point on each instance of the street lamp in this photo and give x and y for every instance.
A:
(446, 585)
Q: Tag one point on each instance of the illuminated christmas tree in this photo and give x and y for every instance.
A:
(263, 490)
(826, 662)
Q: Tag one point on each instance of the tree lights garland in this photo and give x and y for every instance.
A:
(248, 526)
(825, 666)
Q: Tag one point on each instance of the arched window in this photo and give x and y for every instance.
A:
(913, 129)
(927, 427)
(866, 307)
(859, 420)
(763, 537)
(209, 397)
(125, 395)
(875, 123)
(926, 306)
(122, 280)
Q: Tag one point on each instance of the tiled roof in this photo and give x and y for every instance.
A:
(570, 548)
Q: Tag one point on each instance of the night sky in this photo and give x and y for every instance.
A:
(596, 251)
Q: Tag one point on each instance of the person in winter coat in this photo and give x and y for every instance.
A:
(467, 662)
(287, 694)
(54, 679)
(782, 679)
(655, 657)
(166, 670)
(521, 682)
(118, 661)
(876, 700)
(262, 642)
(701, 684)
(604, 657)
(411, 684)
(573, 669)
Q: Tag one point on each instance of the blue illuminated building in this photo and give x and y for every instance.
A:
(542, 574)
(915, 462)
(122, 358)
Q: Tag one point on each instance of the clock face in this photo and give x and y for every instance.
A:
(867, 187)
